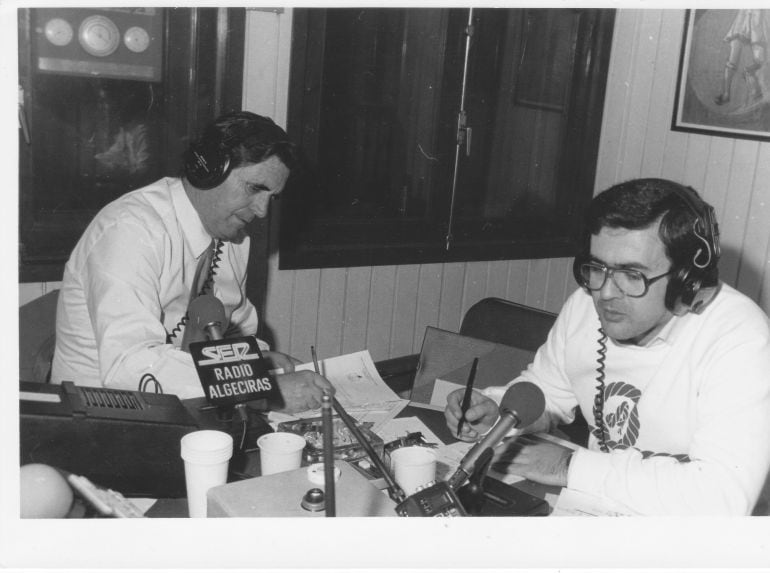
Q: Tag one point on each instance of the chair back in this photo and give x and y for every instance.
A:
(506, 322)
(523, 327)
(37, 337)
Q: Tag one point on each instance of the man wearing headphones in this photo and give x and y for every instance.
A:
(670, 367)
(122, 312)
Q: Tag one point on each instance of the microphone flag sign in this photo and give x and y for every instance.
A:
(232, 371)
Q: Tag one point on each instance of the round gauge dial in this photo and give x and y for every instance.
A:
(59, 32)
(136, 39)
(99, 36)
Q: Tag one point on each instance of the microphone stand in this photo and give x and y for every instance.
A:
(437, 499)
(472, 493)
(227, 414)
(394, 490)
(328, 442)
(508, 419)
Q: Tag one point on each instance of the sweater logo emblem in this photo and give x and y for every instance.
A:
(621, 415)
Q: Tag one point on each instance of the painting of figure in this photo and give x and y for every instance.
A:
(724, 74)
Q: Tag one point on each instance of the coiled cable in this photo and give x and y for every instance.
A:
(207, 286)
(600, 431)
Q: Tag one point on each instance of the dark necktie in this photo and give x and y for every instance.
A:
(203, 283)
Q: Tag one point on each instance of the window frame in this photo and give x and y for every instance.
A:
(336, 244)
(209, 41)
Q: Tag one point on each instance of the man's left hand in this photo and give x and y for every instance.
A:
(541, 462)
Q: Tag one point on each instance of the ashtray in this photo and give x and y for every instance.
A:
(345, 444)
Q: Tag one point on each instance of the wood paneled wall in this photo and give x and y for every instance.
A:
(731, 174)
(386, 309)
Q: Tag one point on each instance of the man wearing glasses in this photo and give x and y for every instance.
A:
(670, 367)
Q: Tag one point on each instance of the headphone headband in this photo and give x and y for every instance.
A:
(705, 227)
(209, 160)
(686, 288)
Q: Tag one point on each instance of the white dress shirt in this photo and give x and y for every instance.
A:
(127, 285)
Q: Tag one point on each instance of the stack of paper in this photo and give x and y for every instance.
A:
(359, 389)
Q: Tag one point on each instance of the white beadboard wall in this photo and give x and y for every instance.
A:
(386, 309)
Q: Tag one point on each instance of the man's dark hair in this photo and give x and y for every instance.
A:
(251, 138)
(233, 140)
(639, 203)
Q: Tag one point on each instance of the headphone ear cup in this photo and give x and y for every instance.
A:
(682, 289)
(206, 166)
(576, 270)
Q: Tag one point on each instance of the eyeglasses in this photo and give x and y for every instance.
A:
(630, 282)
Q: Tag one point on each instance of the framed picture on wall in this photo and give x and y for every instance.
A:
(723, 86)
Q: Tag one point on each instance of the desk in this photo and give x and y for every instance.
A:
(247, 465)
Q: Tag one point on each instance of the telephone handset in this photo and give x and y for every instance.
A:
(206, 288)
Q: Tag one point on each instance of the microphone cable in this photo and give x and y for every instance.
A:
(146, 379)
(600, 430)
(243, 414)
(207, 286)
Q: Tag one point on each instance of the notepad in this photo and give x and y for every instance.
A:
(359, 388)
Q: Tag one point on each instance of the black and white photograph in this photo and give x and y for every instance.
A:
(293, 278)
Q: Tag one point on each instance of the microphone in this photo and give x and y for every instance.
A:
(206, 318)
(522, 404)
(437, 499)
(231, 370)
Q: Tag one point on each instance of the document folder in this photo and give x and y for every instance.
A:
(448, 356)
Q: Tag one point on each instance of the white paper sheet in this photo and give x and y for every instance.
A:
(577, 503)
(359, 389)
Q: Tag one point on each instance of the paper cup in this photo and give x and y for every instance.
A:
(280, 452)
(206, 454)
(414, 467)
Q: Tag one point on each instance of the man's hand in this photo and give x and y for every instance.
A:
(542, 462)
(301, 390)
(277, 360)
(480, 417)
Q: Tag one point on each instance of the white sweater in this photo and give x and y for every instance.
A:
(688, 415)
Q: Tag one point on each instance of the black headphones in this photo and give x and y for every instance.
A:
(209, 160)
(685, 290)
(207, 163)
(686, 283)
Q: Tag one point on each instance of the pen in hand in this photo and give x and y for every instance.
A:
(467, 396)
(315, 360)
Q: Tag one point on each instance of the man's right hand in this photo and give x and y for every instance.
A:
(301, 390)
(482, 414)
(276, 360)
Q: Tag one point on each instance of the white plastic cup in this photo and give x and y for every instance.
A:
(280, 452)
(414, 467)
(206, 455)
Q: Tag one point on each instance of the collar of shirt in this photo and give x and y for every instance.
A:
(677, 322)
(667, 334)
(190, 222)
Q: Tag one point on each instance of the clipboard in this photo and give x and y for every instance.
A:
(448, 355)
